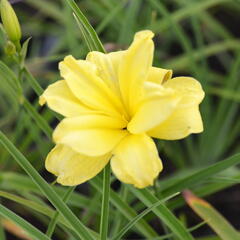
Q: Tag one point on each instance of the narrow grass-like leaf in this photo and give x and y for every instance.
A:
(40, 121)
(91, 32)
(33, 82)
(181, 62)
(195, 8)
(213, 218)
(2, 232)
(140, 216)
(201, 175)
(125, 209)
(47, 8)
(162, 212)
(13, 181)
(45, 210)
(170, 235)
(23, 224)
(78, 227)
(23, 52)
(11, 79)
(112, 14)
(53, 223)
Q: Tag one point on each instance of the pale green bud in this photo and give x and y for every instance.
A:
(10, 21)
(10, 48)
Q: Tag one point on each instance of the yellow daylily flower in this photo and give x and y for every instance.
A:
(113, 105)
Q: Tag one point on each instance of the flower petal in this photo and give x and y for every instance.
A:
(134, 68)
(158, 105)
(60, 99)
(159, 75)
(107, 66)
(136, 161)
(92, 135)
(73, 168)
(180, 124)
(189, 88)
(81, 76)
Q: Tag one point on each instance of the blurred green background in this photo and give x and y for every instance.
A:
(193, 38)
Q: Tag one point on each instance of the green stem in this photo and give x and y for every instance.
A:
(33, 82)
(54, 220)
(105, 203)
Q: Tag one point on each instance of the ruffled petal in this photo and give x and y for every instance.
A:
(91, 135)
(136, 161)
(134, 68)
(189, 88)
(81, 76)
(73, 168)
(107, 67)
(159, 75)
(59, 98)
(180, 124)
(158, 105)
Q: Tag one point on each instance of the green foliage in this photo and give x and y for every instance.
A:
(191, 39)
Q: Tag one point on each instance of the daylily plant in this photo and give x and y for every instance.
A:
(113, 105)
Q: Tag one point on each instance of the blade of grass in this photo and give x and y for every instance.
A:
(140, 216)
(33, 82)
(206, 190)
(191, 229)
(201, 175)
(23, 224)
(54, 220)
(110, 16)
(13, 181)
(128, 22)
(125, 209)
(145, 196)
(214, 219)
(2, 232)
(87, 26)
(45, 210)
(47, 8)
(179, 63)
(76, 224)
(40, 121)
(119, 219)
(195, 8)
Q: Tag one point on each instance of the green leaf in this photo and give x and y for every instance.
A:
(47, 211)
(90, 32)
(53, 223)
(201, 175)
(76, 224)
(33, 82)
(23, 52)
(213, 218)
(10, 77)
(2, 232)
(140, 216)
(13, 181)
(27, 227)
(162, 212)
(128, 212)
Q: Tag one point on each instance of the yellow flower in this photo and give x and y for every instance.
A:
(113, 104)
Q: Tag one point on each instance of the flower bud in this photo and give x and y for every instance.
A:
(10, 21)
(10, 48)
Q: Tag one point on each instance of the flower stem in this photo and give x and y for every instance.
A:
(105, 203)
